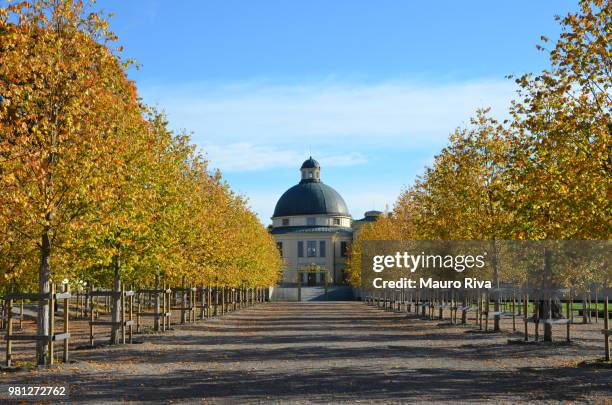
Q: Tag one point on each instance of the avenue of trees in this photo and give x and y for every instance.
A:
(542, 174)
(94, 187)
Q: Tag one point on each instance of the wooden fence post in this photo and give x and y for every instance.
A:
(536, 316)
(122, 318)
(50, 342)
(2, 313)
(168, 310)
(92, 303)
(569, 324)
(66, 320)
(163, 307)
(202, 301)
(157, 309)
(584, 308)
(194, 303)
(9, 332)
(131, 315)
(596, 305)
(21, 314)
(486, 311)
(139, 310)
(183, 298)
(514, 312)
(526, 314)
(223, 300)
(606, 330)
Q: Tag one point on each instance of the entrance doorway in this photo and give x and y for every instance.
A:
(313, 275)
(312, 279)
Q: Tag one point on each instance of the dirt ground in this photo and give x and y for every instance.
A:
(330, 352)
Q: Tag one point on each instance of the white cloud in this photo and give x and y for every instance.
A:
(269, 114)
(246, 156)
(260, 125)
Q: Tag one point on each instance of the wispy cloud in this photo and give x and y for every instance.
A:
(383, 131)
(272, 114)
(246, 156)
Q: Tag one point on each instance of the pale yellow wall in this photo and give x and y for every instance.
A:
(332, 260)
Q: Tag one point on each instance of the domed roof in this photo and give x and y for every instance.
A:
(310, 163)
(308, 198)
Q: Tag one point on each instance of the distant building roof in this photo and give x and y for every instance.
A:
(371, 216)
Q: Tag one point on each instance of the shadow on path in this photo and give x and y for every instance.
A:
(328, 352)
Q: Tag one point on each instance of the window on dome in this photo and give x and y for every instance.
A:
(285, 221)
(310, 174)
(336, 221)
(311, 221)
(311, 248)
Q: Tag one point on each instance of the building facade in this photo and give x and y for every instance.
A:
(313, 228)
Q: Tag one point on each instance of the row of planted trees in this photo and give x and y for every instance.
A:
(542, 174)
(94, 187)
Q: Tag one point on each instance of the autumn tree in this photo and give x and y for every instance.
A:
(385, 228)
(543, 175)
(561, 163)
(64, 94)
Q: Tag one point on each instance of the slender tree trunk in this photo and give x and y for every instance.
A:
(547, 307)
(44, 287)
(584, 308)
(496, 308)
(157, 309)
(116, 299)
(183, 301)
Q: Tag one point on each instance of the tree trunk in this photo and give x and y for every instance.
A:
(44, 287)
(546, 304)
(116, 306)
(157, 309)
(496, 308)
(183, 301)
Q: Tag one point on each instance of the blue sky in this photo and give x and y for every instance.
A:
(371, 88)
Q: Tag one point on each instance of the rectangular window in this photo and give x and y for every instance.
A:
(285, 221)
(300, 249)
(322, 248)
(311, 248)
(344, 249)
(336, 221)
(279, 245)
(311, 221)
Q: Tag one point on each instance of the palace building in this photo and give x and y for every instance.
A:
(313, 228)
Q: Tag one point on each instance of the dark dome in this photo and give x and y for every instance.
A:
(307, 198)
(310, 163)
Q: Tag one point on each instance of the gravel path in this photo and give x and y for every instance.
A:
(328, 352)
